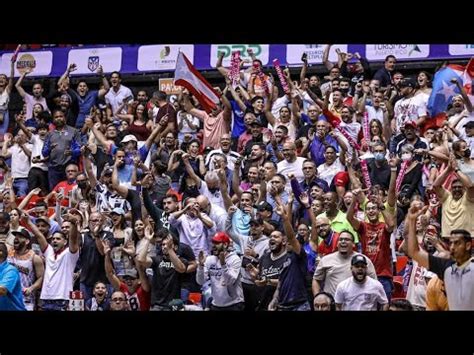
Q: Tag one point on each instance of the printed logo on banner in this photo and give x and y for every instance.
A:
(167, 86)
(461, 49)
(89, 59)
(165, 52)
(25, 61)
(400, 51)
(93, 63)
(314, 52)
(261, 51)
(40, 62)
(162, 57)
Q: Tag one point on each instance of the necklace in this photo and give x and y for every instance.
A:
(277, 257)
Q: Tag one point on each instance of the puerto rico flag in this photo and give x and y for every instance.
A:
(186, 75)
(444, 90)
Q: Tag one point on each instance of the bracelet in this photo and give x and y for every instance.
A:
(393, 169)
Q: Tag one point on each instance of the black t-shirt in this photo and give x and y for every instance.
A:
(101, 159)
(379, 176)
(91, 261)
(269, 269)
(166, 282)
(292, 279)
(439, 265)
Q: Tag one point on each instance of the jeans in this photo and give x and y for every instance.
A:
(387, 284)
(302, 307)
(235, 307)
(56, 174)
(20, 186)
(54, 305)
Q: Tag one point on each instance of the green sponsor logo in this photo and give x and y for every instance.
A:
(228, 49)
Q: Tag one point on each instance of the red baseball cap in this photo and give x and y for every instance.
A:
(221, 237)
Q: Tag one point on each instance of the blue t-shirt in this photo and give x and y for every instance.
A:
(10, 279)
(292, 279)
(238, 126)
(85, 104)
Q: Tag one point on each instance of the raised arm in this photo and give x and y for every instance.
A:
(18, 86)
(101, 138)
(143, 256)
(414, 251)
(190, 170)
(105, 82)
(223, 188)
(36, 232)
(12, 78)
(326, 61)
(289, 232)
(392, 194)
(355, 223)
(109, 268)
(440, 180)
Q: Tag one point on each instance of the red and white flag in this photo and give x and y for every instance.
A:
(186, 75)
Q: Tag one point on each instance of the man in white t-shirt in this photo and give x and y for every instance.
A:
(359, 292)
(38, 174)
(292, 164)
(117, 94)
(60, 260)
(20, 152)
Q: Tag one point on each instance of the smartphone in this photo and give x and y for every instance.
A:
(304, 57)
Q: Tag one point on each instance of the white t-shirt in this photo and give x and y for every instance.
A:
(58, 274)
(354, 296)
(327, 173)
(416, 292)
(186, 129)
(374, 113)
(409, 109)
(296, 168)
(30, 101)
(37, 143)
(20, 161)
(114, 99)
(214, 198)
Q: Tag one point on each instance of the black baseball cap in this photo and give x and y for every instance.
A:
(258, 221)
(356, 259)
(264, 206)
(23, 232)
(408, 82)
(470, 124)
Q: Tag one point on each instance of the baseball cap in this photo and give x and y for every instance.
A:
(119, 211)
(264, 206)
(221, 237)
(356, 259)
(129, 273)
(256, 221)
(470, 124)
(128, 138)
(257, 123)
(44, 219)
(23, 232)
(176, 304)
(341, 178)
(410, 123)
(408, 82)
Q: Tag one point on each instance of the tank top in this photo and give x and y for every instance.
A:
(140, 131)
(24, 264)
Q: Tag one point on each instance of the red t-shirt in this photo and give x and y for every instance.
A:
(375, 242)
(329, 247)
(140, 300)
(67, 189)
